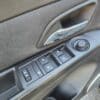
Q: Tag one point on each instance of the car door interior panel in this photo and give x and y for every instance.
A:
(12, 8)
(50, 49)
(57, 60)
(24, 45)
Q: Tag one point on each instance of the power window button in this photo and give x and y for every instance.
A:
(43, 60)
(58, 52)
(64, 58)
(37, 70)
(48, 67)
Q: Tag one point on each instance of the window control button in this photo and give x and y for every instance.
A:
(37, 70)
(48, 67)
(39, 73)
(43, 60)
(64, 58)
(58, 52)
(26, 75)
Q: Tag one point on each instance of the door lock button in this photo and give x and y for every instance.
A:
(26, 75)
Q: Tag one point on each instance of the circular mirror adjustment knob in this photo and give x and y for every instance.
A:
(81, 45)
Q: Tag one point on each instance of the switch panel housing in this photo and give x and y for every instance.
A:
(40, 66)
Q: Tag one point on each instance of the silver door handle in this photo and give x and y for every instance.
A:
(63, 33)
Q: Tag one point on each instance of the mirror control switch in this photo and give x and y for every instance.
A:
(81, 45)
